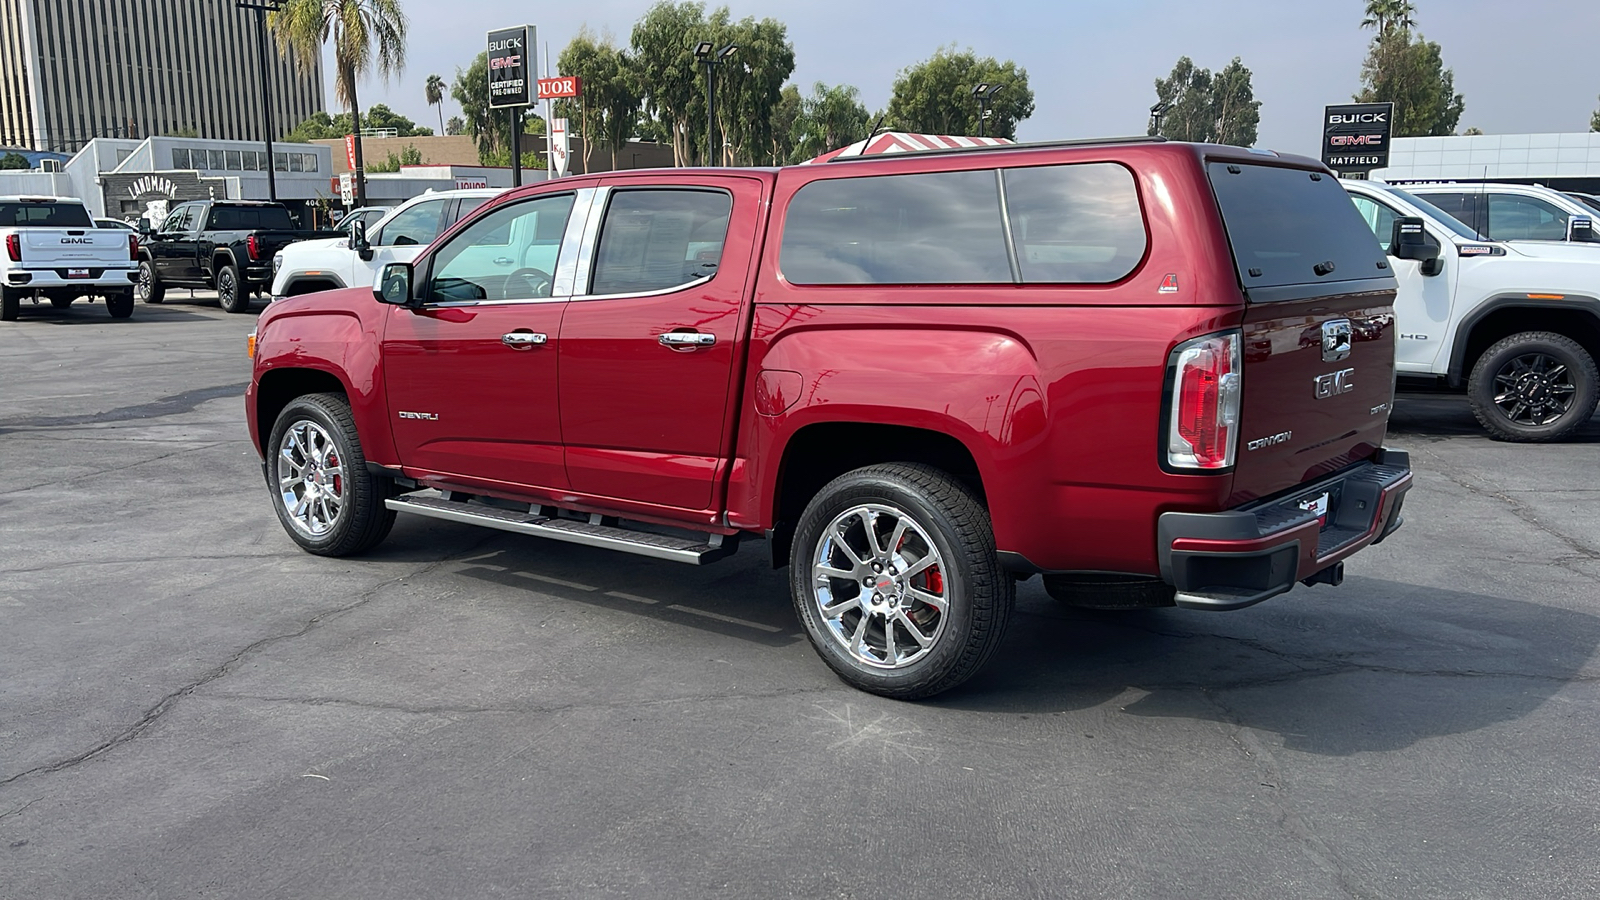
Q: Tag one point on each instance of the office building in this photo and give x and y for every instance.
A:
(75, 70)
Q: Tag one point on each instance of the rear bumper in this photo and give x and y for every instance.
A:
(1234, 559)
(98, 277)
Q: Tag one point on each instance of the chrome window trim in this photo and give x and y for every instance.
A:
(459, 304)
(563, 281)
(659, 292)
(590, 242)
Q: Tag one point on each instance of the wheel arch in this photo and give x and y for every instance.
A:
(1577, 318)
(301, 284)
(279, 387)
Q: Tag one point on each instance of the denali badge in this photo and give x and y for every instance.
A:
(426, 417)
(1336, 336)
(1334, 384)
(1281, 437)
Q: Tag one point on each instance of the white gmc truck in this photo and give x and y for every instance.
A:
(1515, 323)
(54, 251)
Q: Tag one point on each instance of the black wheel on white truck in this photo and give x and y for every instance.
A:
(120, 303)
(1534, 387)
(10, 304)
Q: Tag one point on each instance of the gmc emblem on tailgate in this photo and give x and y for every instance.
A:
(1334, 384)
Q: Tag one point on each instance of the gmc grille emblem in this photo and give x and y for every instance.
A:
(1334, 384)
(1336, 338)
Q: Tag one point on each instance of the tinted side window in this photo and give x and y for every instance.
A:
(933, 228)
(1379, 218)
(417, 225)
(1461, 206)
(1077, 223)
(1513, 218)
(651, 240)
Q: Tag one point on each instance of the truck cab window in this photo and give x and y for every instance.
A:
(658, 239)
(509, 254)
(417, 225)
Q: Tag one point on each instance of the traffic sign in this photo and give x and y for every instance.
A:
(347, 188)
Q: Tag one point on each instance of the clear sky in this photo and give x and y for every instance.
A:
(1523, 65)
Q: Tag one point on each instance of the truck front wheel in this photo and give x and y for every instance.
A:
(151, 290)
(1533, 387)
(895, 578)
(323, 494)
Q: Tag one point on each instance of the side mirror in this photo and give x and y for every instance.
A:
(358, 239)
(1581, 230)
(1410, 240)
(394, 285)
(144, 228)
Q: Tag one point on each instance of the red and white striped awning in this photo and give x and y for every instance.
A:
(904, 142)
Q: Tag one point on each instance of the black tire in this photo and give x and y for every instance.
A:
(150, 288)
(1093, 591)
(1533, 387)
(120, 304)
(361, 521)
(977, 593)
(10, 305)
(232, 295)
(61, 302)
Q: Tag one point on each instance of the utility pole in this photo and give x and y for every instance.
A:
(262, 7)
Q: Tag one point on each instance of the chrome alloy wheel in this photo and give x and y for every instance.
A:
(879, 583)
(1534, 389)
(311, 478)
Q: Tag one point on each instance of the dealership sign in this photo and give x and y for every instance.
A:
(559, 88)
(511, 66)
(1355, 137)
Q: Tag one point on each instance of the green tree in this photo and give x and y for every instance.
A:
(1409, 72)
(1388, 15)
(616, 94)
(749, 84)
(409, 156)
(785, 125)
(471, 91)
(935, 96)
(14, 161)
(456, 125)
(321, 126)
(433, 91)
(585, 58)
(670, 82)
(365, 34)
(832, 117)
(1200, 106)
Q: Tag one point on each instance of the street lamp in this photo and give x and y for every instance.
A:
(262, 7)
(985, 92)
(1157, 113)
(703, 52)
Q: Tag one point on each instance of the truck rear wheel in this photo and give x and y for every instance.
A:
(1536, 386)
(120, 303)
(150, 288)
(231, 295)
(324, 496)
(895, 578)
(10, 305)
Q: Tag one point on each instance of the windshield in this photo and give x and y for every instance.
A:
(1451, 222)
(1588, 200)
(44, 214)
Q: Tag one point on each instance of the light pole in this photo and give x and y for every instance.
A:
(1157, 113)
(262, 7)
(984, 91)
(703, 52)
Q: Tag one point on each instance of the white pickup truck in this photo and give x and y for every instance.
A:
(1517, 324)
(53, 250)
(332, 263)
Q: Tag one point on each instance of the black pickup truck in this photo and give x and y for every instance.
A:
(223, 245)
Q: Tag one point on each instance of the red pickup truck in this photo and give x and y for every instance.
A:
(1153, 373)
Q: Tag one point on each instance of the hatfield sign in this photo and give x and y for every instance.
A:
(1355, 137)
(511, 66)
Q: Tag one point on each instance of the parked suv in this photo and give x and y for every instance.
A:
(1512, 212)
(1155, 373)
(1516, 324)
(356, 259)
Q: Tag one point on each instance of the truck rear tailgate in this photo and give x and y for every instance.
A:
(100, 248)
(1318, 341)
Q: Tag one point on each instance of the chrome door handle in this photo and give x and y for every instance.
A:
(677, 339)
(503, 260)
(522, 340)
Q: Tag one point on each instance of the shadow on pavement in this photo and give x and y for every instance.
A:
(1446, 415)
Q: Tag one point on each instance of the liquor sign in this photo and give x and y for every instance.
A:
(350, 150)
(559, 88)
(1355, 137)
(511, 66)
(467, 182)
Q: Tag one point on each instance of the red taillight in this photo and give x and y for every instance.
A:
(14, 247)
(253, 248)
(133, 247)
(1203, 432)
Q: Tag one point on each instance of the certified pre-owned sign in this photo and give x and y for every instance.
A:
(1355, 137)
(511, 66)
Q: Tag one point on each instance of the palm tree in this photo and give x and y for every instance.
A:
(434, 89)
(1387, 15)
(359, 29)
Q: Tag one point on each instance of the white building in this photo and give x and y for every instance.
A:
(1568, 162)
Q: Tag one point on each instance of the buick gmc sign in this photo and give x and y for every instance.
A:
(1355, 137)
(511, 66)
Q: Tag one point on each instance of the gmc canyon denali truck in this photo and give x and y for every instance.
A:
(1154, 373)
(222, 245)
(53, 250)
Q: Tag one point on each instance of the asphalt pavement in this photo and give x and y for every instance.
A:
(190, 706)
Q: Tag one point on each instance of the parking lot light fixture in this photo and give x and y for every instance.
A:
(703, 51)
(984, 91)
